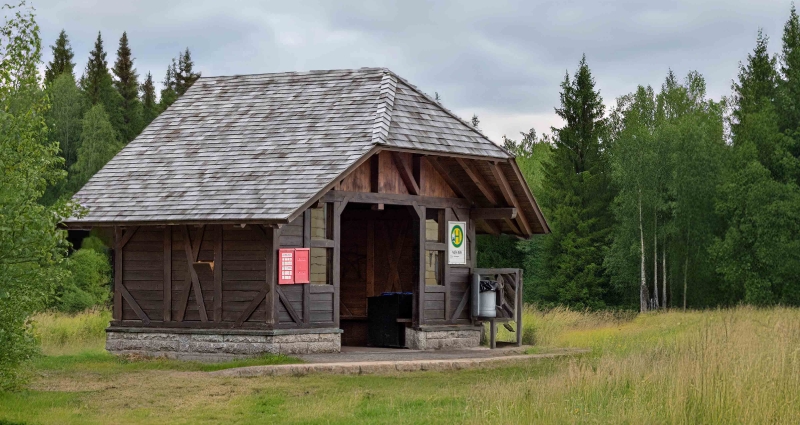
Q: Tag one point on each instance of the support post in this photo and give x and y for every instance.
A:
(167, 273)
(272, 241)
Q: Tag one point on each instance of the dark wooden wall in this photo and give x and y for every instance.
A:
(163, 270)
(230, 264)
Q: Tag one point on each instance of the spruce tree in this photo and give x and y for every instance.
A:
(789, 105)
(62, 59)
(168, 93)
(577, 196)
(759, 252)
(184, 74)
(98, 87)
(127, 86)
(149, 104)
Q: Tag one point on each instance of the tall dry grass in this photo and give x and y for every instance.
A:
(65, 333)
(739, 365)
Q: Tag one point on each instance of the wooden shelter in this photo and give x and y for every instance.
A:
(359, 167)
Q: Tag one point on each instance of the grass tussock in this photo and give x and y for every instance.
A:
(65, 333)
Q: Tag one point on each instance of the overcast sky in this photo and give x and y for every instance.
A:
(500, 59)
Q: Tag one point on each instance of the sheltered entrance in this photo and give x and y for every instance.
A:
(377, 258)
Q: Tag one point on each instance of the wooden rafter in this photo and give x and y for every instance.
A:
(493, 213)
(445, 175)
(192, 282)
(508, 194)
(406, 173)
(490, 227)
(479, 181)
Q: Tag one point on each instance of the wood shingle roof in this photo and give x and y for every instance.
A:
(257, 147)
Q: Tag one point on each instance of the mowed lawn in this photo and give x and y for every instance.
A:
(722, 366)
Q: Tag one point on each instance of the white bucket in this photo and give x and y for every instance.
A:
(487, 303)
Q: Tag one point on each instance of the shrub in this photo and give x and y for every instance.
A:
(95, 244)
(87, 282)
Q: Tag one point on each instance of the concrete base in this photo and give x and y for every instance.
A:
(214, 345)
(442, 339)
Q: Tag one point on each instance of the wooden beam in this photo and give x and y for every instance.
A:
(321, 243)
(479, 181)
(128, 235)
(167, 314)
(461, 305)
(406, 173)
(493, 213)
(508, 194)
(531, 198)
(252, 307)
(513, 226)
(338, 208)
(192, 250)
(490, 227)
(288, 306)
(445, 175)
(307, 243)
(117, 314)
(272, 242)
(419, 275)
(217, 273)
(396, 199)
(134, 305)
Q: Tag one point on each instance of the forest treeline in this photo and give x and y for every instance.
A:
(94, 116)
(668, 199)
(57, 131)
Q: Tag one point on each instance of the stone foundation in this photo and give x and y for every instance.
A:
(443, 339)
(215, 345)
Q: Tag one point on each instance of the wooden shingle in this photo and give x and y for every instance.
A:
(255, 148)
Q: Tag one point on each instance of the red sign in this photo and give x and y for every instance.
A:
(286, 266)
(293, 265)
(302, 257)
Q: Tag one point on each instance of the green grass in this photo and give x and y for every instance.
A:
(722, 366)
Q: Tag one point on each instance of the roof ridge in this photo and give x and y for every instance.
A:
(309, 72)
(447, 111)
(383, 113)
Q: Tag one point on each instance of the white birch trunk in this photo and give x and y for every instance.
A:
(664, 276)
(655, 260)
(643, 297)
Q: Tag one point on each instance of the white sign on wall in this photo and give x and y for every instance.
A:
(456, 242)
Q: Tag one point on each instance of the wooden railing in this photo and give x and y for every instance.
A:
(508, 307)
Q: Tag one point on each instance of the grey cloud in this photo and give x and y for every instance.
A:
(503, 57)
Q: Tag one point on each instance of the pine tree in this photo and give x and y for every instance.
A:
(149, 104)
(475, 121)
(62, 59)
(99, 144)
(168, 93)
(577, 196)
(127, 86)
(184, 75)
(98, 87)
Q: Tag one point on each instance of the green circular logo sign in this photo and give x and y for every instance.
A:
(457, 236)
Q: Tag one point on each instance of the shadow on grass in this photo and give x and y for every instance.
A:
(102, 361)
